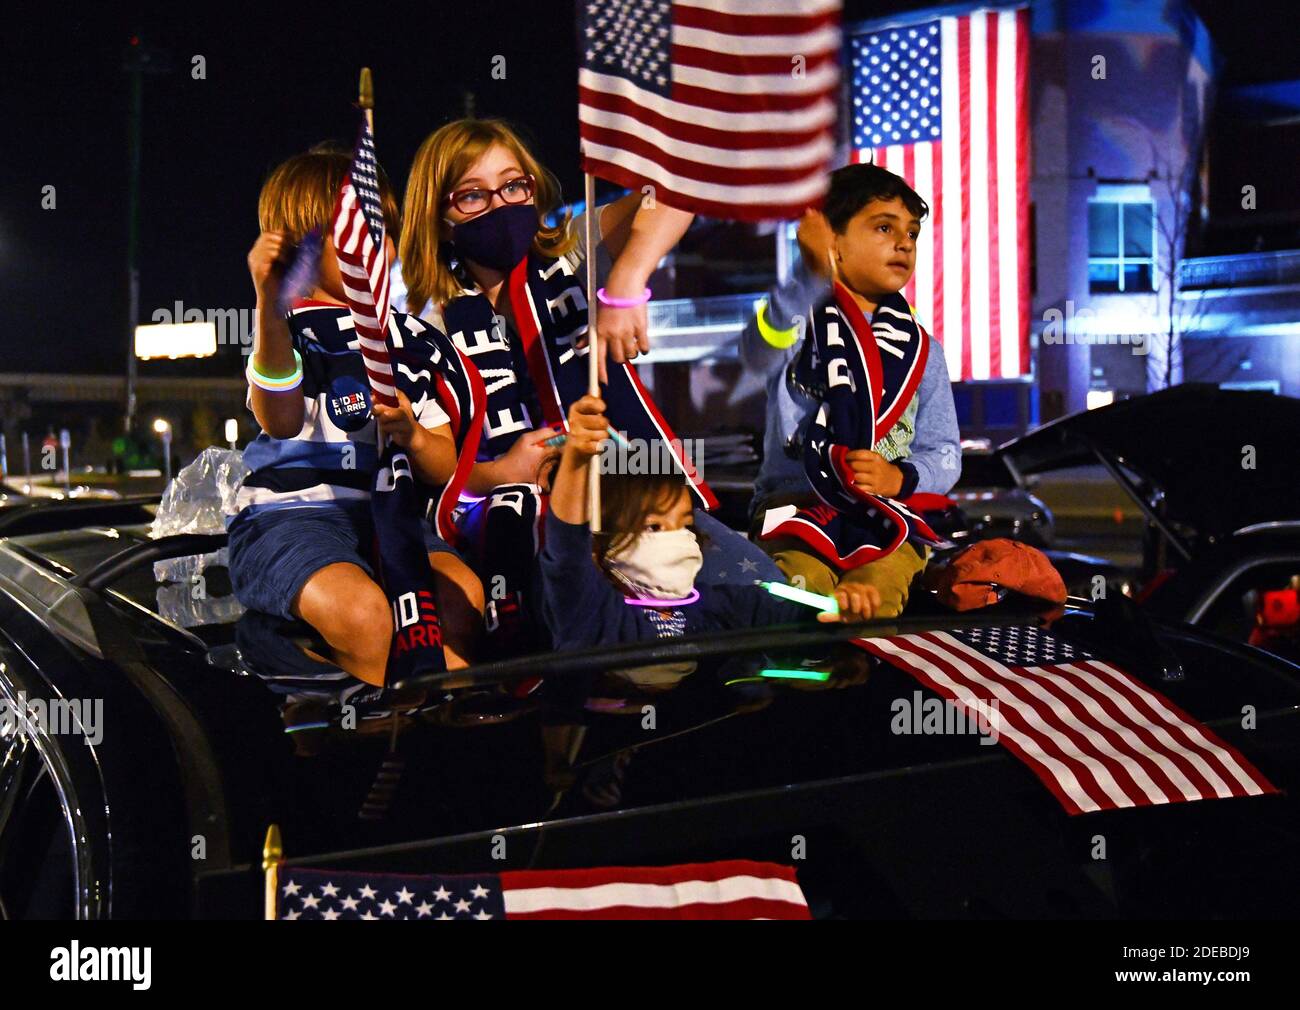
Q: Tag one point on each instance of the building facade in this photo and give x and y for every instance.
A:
(1138, 158)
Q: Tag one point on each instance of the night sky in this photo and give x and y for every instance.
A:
(278, 80)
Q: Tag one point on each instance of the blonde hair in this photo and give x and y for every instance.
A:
(300, 194)
(442, 160)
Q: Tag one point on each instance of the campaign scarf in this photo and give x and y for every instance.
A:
(398, 500)
(402, 567)
(864, 374)
(533, 381)
(461, 393)
(502, 536)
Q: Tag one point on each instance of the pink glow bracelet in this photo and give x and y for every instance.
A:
(622, 303)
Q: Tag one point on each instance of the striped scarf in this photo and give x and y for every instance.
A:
(863, 387)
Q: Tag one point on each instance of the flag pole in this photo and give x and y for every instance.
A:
(366, 102)
(593, 356)
(272, 857)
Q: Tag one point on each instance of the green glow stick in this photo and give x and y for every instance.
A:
(826, 604)
(795, 674)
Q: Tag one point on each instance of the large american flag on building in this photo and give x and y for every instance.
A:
(359, 233)
(737, 889)
(726, 107)
(1096, 736)
(944, 103)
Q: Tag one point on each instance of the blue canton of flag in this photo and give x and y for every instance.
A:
(897, 76)
(629, 40)
(1020, 646)
(330, 895)
(365, 181)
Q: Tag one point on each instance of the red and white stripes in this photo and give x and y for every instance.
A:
(1097, 737)
(364, 269)
(971, 286)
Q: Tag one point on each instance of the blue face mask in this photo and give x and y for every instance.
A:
(498, 239)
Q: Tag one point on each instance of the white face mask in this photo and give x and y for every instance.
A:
(659, 564)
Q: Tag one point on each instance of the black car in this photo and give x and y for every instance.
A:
(995, 504)
(767, 744)
(20, 513)
(1214, 474)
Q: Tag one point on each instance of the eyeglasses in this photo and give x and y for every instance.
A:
(476, 200)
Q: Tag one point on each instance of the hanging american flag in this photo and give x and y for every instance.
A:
(1097, 737)
(944, 104)
(359, 234)
(725, 107)
(738, 889)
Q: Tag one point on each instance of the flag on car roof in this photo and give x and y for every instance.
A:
(1096, 736)
(944, 103)
(737, 889)
(725, 107)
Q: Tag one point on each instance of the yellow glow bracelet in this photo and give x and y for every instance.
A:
(780, 339)
(279, 384)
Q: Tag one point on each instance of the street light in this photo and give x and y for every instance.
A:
(65, 443)
(232, 431)
(164, 431)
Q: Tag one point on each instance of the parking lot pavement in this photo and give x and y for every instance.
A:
(1093, 515)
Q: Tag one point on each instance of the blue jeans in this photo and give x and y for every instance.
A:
(273, 553)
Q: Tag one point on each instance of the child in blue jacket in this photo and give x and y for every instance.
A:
(637, 579)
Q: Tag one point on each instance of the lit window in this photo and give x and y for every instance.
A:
(1121, 244)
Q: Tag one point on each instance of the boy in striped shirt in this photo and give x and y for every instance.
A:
(300, 544)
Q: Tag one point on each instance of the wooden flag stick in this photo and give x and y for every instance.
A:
(366, 102)
(593, 347)
(367, 97)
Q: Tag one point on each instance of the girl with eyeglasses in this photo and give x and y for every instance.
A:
(480, 261)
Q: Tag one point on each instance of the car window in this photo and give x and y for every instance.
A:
(983, 470)
(1261, 606)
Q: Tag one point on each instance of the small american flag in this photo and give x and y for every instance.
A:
(726, 107)
(945, 105)
(1097, 737)
(738, 889)
(359, 241)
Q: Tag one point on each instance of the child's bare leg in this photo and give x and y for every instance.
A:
(352, 614)
(460, 607)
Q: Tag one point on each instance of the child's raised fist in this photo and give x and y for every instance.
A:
(814, 236)
(588, 428)
(265, 260)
